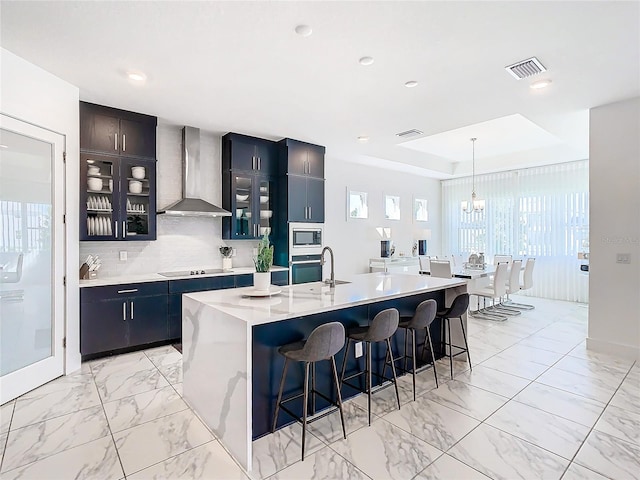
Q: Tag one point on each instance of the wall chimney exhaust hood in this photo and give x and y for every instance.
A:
(191, 205)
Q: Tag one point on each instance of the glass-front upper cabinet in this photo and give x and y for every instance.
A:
(138, 184)
(266, 202)
(99, 221)
(117, 198)
(244, 201)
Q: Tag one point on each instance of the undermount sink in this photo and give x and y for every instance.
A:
(338, 282)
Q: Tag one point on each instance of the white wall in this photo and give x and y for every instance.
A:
(182, 243)
(355, 241)
(33, 95)
(614, 172)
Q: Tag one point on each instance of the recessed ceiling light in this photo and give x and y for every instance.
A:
(366, 61)
(304, 30)
(137, 77)
(411, 84)
(540, 84)
(363, 138)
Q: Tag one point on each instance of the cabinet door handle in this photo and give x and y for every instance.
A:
(259, 163)
(131, 290)
(124, 310)
(309, 213)
(115, 142)
(124, 229)
(116, 222)
(131, 309)
(253, 162)
(124, 142)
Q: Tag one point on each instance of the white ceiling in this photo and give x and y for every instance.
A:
(239, 66)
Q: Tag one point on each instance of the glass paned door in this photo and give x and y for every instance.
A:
(266, 207)
(31, 257)
(100, 200)
(138, 185)
(245, 223)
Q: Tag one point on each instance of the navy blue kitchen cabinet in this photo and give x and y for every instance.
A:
(249, 166)
(301, 182)
(117, 132)
(249, 154)
(110, 207)
(119, 317)
(190, 285)
(178, 287)
(280, 278)
(117, 174)
(303, 158)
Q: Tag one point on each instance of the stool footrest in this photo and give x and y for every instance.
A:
(376, 374)
(315, 417)
(382, 386)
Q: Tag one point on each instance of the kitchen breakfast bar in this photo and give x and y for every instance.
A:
(230, 343)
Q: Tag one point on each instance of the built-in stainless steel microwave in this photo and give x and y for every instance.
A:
(305, 236)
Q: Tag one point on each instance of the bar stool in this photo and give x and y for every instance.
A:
(456, 310)
(423, 317)
(323, 343)
(382, 328)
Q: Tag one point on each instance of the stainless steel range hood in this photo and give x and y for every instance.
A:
(191, 205)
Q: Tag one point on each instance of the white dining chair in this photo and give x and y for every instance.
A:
(527, 282)
(493, 291)
(503, 259)
(512, 286)
(425, 261)
(440, 268)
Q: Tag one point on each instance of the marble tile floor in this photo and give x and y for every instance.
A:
(536, 405)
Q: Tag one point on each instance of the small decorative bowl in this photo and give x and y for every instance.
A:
(94, 184)
(135, 186)
(138, 172)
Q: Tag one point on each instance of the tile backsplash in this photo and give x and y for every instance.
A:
(182, 243)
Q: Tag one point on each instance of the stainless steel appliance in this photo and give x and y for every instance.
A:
(305, 249)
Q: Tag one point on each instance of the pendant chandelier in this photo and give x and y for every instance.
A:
(474, 205)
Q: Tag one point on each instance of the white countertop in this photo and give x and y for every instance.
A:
(311, 298)
(155, 277)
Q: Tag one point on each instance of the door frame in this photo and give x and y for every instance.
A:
(32, 376)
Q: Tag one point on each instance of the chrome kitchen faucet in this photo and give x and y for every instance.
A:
(332, 281)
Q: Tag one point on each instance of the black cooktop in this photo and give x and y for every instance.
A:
(186, 273)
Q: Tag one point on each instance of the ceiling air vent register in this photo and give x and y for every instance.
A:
(409, 133)
(526, 68)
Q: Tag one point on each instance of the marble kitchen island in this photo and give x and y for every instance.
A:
(230, 360)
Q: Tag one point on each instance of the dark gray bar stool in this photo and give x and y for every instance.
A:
(456, 310)
(382, 328)
(323, 343)
(422, 319)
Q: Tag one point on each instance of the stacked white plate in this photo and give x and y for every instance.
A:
(99, 225)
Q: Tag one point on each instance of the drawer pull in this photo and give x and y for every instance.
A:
(131, 290)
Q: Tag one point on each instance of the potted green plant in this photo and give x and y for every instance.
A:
(226, 253)
(263, 261)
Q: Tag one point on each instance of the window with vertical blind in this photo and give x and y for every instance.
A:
(540, 212)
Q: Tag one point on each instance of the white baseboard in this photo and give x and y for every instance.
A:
(615, 349)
